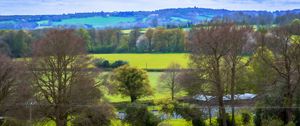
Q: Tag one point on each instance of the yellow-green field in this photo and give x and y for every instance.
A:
(158, 93)
(148, 61)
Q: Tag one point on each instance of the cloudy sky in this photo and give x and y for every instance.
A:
(33, 7)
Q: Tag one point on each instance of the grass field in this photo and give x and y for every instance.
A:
(148, 61)
(154, 82)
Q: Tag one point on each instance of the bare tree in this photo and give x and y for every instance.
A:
(194, 83)
(209, 45)
(7, 77)
(60, 78)
(169, 79)
(239, 43)
(286, 63)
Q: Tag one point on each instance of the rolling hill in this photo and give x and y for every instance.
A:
(183, 17)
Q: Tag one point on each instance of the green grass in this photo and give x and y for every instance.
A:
(148, 61)
(176, 122)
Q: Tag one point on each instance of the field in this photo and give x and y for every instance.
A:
(148, 61)
(154, 82)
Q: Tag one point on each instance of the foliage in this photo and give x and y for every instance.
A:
(246, 117)
(272, 122)
(95, 116)
(138, 115)
(102, 63)
(131, 81)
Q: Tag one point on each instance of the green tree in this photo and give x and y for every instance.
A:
(133, 37)
(85, 35)
(131, 81)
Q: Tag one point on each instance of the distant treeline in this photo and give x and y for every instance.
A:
(18, 43)
(144, 19)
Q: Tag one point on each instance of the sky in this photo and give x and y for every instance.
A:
(38, 7)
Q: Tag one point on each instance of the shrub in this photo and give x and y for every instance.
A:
(118, 63)
(272, 122)
(190, 113)
(102, 63)
(246, 117)
(138, 115)
(228, 120)
(95, 116)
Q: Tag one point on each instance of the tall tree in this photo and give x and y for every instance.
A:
(60, 78)
(209, 46)
(238, 42)
(131, 81)
(133, 37)
(285, 51)
(169, 79)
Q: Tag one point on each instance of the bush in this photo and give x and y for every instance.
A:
(95, 116)
(118, 63)
(138, 115)
(102, 63)
(190, 113)
(228, 120)
(272, 122)
(246, 117)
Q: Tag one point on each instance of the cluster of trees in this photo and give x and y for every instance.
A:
(53, 85)
(18, 43)
(102, 63)
(153, 40)
(221, 65)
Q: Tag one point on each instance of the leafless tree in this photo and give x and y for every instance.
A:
(60, 79)
(285, 49)
(209, 46)
(240, 43)
(169, 79)
(194, 83)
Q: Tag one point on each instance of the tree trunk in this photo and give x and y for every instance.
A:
(133, 98)
(62, 121)
(210, 116)
(220, 94)
(232, 93)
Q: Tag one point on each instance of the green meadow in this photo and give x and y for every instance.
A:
(158, 93)
(148, 61)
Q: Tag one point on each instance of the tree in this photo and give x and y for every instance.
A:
(209, 46)
(194, 83)
(139, 115)
(238, 42)
(149, 35)
(131, 81)
(8, 78)
(133, 37)
(85, 35)
(169, 79)
(142, 44)
(285, 63)
(14, 88)
(60, 78)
